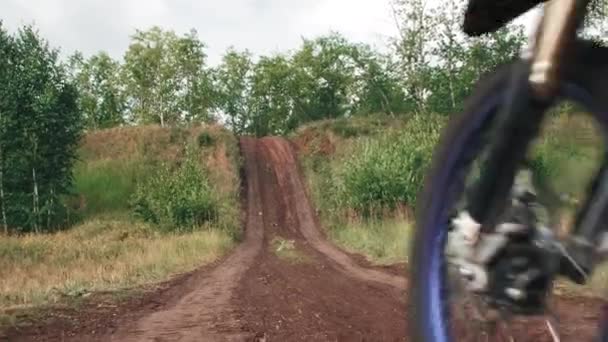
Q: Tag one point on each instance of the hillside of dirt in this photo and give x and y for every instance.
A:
(284, 282)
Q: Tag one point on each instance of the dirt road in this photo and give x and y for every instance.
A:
(285, 281)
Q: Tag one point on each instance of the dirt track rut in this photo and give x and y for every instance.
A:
(204, 311)
(254, 294)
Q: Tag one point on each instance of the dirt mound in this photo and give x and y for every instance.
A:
(314, 141)
(285, 282)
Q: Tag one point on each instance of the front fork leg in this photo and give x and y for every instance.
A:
(518, 124)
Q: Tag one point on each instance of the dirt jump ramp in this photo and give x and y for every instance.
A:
(264, 291)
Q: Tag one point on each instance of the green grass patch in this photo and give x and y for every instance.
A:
(369, 177)
(388, 171)
(106, 185)
(374, 174)
(382, 241)
(179, 199)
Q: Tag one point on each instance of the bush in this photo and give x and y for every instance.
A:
(388, 171)
(179, 199)
(348, 128)
(106, 184)
(205, 139)
(563, 167)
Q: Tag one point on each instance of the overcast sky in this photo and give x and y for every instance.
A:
(263, 26)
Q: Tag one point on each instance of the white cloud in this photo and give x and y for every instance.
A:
(262, 26)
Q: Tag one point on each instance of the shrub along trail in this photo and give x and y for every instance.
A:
(285, 282)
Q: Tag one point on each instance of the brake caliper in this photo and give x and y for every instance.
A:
(514, 265)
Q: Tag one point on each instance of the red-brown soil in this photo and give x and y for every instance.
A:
(254, 294)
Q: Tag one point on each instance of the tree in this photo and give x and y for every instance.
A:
(416, 26)
(327, 77)
(376, 89)
(461, 61)
(151, 76)
(195, 93)
(165, 77)
(325, 72)
(6, 104)
(440, 66)
(272, 96)
(102, 95)
(450, 49)
(41, 126)
(232, 83)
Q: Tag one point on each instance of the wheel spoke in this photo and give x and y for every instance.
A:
(552, 326)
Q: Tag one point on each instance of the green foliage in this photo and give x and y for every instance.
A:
(562, 165)
(383, 241)
(106, 185)
(439, 63)
(326, 71)
(327, 77)
(40, 127)
(387, 172)
(178, 199)
(232, 88)
(165, 77)
(343, 129)
(102, 100)
(273, 91)
(346, 128)
(378, 90)
(205, 139)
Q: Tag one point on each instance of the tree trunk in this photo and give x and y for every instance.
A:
(2, 198)
(451, 81)
(161, 111)
(452, 92)
(386, 104)
(35, 204)
(48, 209)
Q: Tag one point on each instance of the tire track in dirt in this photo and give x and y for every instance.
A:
(321, 296)
(254, 292)
(200, 314)
(288, 173)
(314, 298)
(319, 293)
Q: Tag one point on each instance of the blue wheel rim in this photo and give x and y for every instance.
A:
(436, 322)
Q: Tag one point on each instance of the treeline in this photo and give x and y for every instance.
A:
(165, 78)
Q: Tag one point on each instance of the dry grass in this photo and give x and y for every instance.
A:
(113, 161)
(382, 241)
(97, 255)
(161, 142)
(108, 249)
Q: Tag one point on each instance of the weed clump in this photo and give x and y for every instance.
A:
(388, 171)
(178, 199)
(205, 139)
